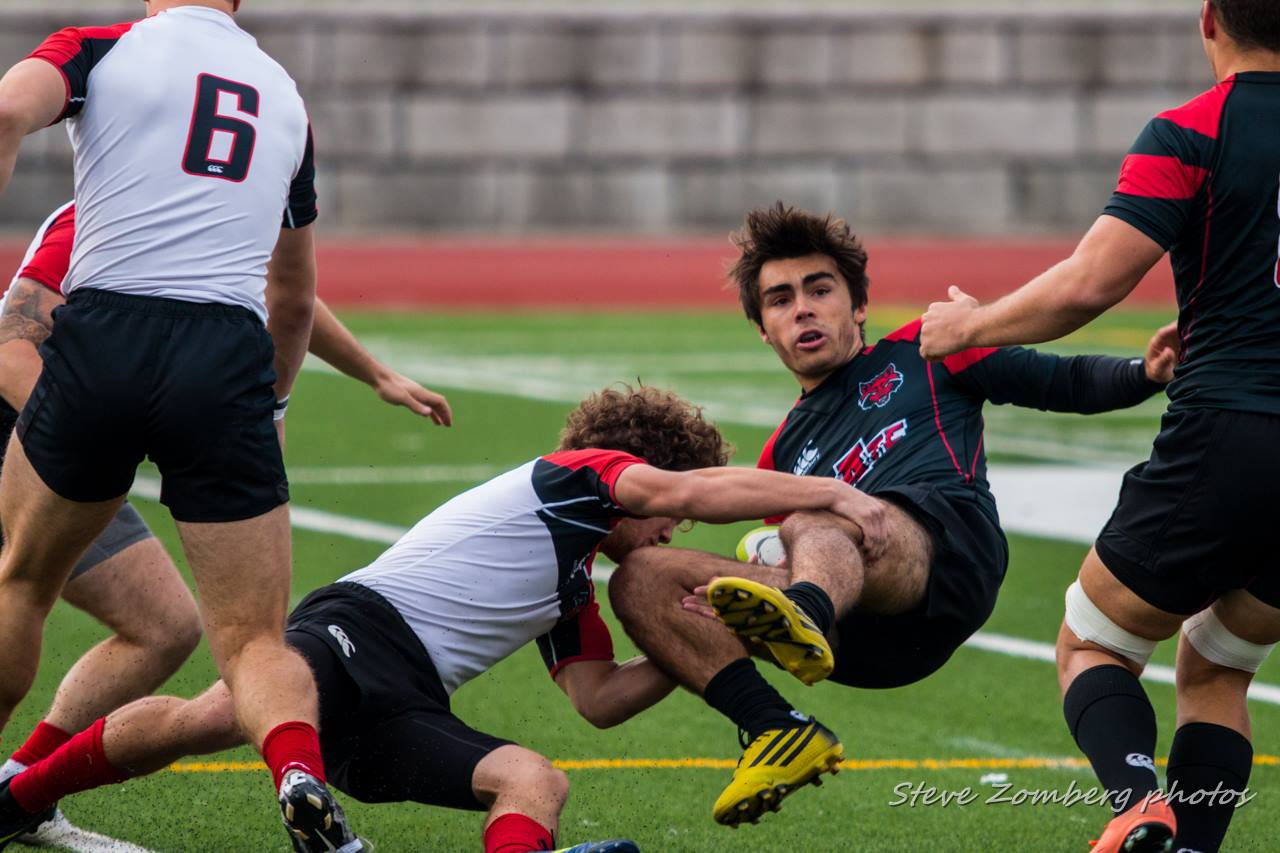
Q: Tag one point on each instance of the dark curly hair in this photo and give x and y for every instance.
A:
(781, 232)
(659, 426)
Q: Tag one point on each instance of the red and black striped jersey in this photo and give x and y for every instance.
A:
(889, 418)
(1203, 181)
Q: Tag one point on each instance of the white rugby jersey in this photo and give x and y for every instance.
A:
(508, 562)
(191, 145)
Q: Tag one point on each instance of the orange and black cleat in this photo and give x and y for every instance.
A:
(1148, 827)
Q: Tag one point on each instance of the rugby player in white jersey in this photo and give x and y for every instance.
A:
(492, 569)
(192, 146)
(126, 580)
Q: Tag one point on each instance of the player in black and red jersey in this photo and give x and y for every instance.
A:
(898, 592)
(1185, 546)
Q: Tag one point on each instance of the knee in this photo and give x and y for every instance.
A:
(800, 523)
(182, 638)
(534, 773)
(640, 572)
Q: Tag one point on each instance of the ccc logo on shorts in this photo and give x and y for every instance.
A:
(343, 640)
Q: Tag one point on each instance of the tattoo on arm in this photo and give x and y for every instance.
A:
(28, 312)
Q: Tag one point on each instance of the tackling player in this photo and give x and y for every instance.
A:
(494, 568)
(883, 600)
(192, 150)
(1186, 546)
(126, 580)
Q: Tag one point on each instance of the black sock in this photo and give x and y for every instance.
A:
(1205, 762)
(815, 603)
(740, 692)
(1113, 722)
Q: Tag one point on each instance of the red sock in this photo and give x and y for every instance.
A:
(77, 765)
(515, 833)
(293, 746)
(42, 743)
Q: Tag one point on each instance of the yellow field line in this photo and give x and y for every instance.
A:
(728, 764)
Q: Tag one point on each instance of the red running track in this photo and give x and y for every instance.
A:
(586, 273)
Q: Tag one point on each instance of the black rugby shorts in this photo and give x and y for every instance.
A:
(187, 384)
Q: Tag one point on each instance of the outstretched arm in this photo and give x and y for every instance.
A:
(1084, 384)
(1106, 266)
(333, 343)
(722, 495)
(32, 95)
(606, 693)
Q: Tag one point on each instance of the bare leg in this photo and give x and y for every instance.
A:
(515, 780)
(646, 592)
(822, 549)
(140, 596)
(1124, 608)
(242, 573)
(152, 733)
(44, 535)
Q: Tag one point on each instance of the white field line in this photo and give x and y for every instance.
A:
(1014, 482)
(558, 379)
(359, 475)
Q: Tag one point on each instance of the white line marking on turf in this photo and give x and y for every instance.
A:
(374, 475)
(305, 518)
(1032, 501)
(1019, 648)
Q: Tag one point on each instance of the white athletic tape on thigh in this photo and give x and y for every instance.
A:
(1218, 644)
(1089, 623)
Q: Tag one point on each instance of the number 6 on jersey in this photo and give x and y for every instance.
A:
(220, 146)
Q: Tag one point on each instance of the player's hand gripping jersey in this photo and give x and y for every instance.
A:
(506, 563)
(1202, 181)
(191, 145)
(889, 419)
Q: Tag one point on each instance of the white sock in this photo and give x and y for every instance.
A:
(10, 769)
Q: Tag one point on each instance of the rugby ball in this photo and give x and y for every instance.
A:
(762, 545)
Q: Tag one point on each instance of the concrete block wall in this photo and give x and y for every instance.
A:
(533, 119)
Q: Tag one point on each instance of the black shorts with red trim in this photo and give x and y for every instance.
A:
(386, 732)
(1198, 518)
(188, 384)
(970, 556)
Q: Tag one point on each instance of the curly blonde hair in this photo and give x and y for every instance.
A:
(659, 426)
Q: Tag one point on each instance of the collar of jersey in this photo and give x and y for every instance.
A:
(202, 12)
(834, 389)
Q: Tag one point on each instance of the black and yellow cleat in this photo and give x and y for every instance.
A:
(763, 614)
(774, 765)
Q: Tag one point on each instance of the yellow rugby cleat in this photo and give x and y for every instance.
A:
(774, 765)
(763, 614)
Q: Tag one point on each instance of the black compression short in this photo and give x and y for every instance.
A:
(386, 730)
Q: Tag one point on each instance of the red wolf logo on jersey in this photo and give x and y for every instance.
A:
(878, 391)
(863, 456)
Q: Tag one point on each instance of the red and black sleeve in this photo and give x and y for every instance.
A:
(302, 208)
(75, 51)
(594, 470)
(49, 262)
(1161, 190)
(1083, 384)
(582, 637)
